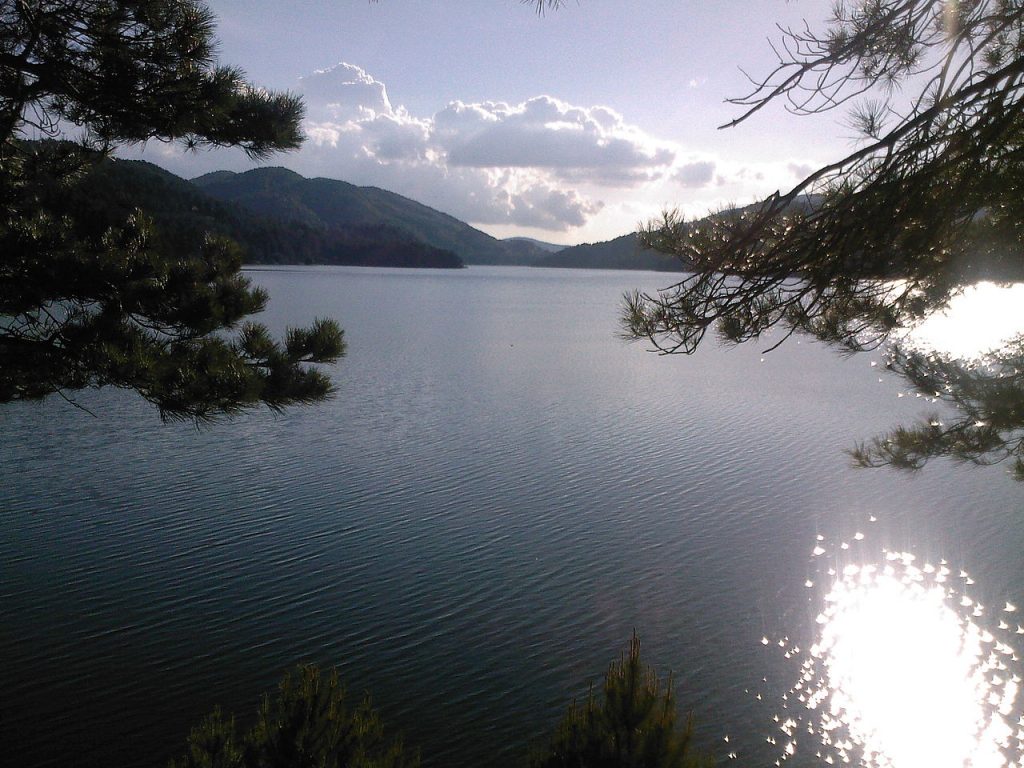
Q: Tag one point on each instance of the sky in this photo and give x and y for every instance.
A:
(572, 126)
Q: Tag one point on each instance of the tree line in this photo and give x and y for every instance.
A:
(631, 722)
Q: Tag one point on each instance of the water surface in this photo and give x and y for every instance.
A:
(499, 495)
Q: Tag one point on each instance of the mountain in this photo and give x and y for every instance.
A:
(625, 252)
(328, 203)
(546, 247)
(621, 253)
(184, 213)
(281, 217)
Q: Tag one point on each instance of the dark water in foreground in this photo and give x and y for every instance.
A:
(499, 495)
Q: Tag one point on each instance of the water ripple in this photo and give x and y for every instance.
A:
(471, 530)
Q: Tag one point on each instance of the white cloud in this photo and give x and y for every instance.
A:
(498, 162)
(574, 143)
(343, 92)
(542, 164)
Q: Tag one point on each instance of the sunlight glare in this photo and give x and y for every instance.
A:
(982, 319)
(905, 675)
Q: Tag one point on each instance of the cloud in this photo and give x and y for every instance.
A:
(349, 111)
(546, 207)
(541, 163)
(695, 174)
(800, 170)
(574, 143)
(343, 92)
(487, 162)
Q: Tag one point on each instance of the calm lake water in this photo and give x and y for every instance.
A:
(500, 494)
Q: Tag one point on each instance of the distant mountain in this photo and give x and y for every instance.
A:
(625, 252)
(621, 253)
(184, 213)
(280, 217)
(328, 203)
(546, 247)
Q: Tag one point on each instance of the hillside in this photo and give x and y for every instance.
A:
(184, 214)
(621, 253)
(546, 247)
(328, 203)
(625, 253)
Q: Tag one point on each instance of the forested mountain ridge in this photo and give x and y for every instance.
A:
(330, 203)
(544, 246)
(280, 217)
(184, 213)
(626, 251)
(621, 253)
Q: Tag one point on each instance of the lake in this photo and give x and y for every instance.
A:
(500, 494)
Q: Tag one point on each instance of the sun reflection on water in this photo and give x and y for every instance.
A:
(982, 319)
(905, 672)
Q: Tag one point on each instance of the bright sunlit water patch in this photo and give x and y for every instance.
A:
(982, 319)
(908, 670)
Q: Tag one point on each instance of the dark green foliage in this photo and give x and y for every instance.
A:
(93, 295)
(90, 305)
(131, 71)
(621, 253)
(214, 743)
(632, 724)
(333, 205)
(183, 214)
(309, 724)
(984, 426)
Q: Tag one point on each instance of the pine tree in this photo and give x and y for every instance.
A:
(930, 201)
(309, 724)
(632, 725)
(86, 307)
(984, 426)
